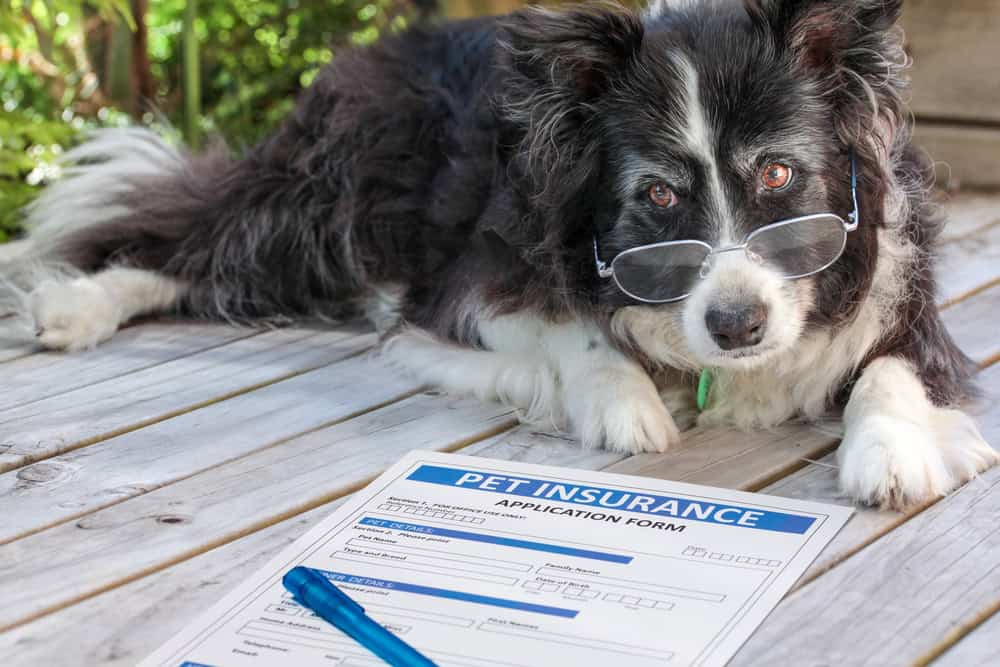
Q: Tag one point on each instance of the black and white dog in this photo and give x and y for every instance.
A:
(572, 211)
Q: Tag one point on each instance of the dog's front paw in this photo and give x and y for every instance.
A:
(624, 414)
(893, 463)
(73, 315)
(965, 452)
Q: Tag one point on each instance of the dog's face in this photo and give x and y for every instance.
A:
(715, 120)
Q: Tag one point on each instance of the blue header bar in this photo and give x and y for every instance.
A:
(625, 501)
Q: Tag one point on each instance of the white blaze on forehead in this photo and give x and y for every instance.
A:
(700, 141)
(657, 8)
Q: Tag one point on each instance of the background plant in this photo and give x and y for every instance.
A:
(70, 65)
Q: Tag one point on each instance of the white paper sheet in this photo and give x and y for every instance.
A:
(481, 563)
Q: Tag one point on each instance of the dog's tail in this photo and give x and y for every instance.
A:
(243, 232)
(100, 177)
(77, 223)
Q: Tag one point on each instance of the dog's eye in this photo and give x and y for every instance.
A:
(776, 176)
(662, 196)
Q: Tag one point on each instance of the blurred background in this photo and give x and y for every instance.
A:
(231, 68)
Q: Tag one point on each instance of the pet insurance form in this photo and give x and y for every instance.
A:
(480, 563)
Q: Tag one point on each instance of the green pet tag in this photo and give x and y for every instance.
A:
(704, 386)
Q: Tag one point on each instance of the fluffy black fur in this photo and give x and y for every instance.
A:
(472, 162)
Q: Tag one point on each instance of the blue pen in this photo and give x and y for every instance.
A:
(311, 589)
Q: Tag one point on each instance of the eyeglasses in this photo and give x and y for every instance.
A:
(796, 248)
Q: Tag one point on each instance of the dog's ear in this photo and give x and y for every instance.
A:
(576, 51)
(853, 49)
(555, 64)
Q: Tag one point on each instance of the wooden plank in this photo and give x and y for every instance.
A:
(526, 444)
(972, 323)
(149, 532)
(894, 600)
(77, 483)
(733, 459)
(969, 214)
(968, 264)
(981, 648)
(123, 626)
(965, 157)
(132, 349)
(954, 47)
(58, 424)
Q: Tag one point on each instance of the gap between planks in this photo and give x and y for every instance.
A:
(31, 446)
(163, 342)
(978, 648)
(963, 630)
(321, 466)
(221, 462)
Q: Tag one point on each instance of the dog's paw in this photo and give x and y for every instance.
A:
(965, 452)
(624, 414)
(681, 405)
(894, 463)
(73, 315)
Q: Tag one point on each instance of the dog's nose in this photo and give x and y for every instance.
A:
(738, 325)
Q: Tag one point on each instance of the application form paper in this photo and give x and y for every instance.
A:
(480, 563)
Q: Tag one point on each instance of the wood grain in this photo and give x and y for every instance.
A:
(527, 444)
(965, 157)
(121, 627)
(980, 648)
(968, 214)
(973, 324)
(61, 423)
(74, 484)
(109, 547)
(894, 600)
(968, 263)
(132, 349)
(954, 50)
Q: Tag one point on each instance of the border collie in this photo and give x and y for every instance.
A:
(573, 211)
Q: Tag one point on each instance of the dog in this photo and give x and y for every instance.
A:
(576, 212)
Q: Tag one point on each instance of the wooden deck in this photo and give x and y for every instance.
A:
(142, 481)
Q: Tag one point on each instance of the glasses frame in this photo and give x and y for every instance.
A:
(605, 270)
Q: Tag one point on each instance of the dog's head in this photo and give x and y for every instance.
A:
(706, 120)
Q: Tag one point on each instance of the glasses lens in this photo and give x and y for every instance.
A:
(660, 273)
(801, 247)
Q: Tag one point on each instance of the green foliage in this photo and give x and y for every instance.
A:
(28, 148)
(255, 56)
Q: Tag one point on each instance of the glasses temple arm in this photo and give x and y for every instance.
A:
(602, 269)
(854, 218)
